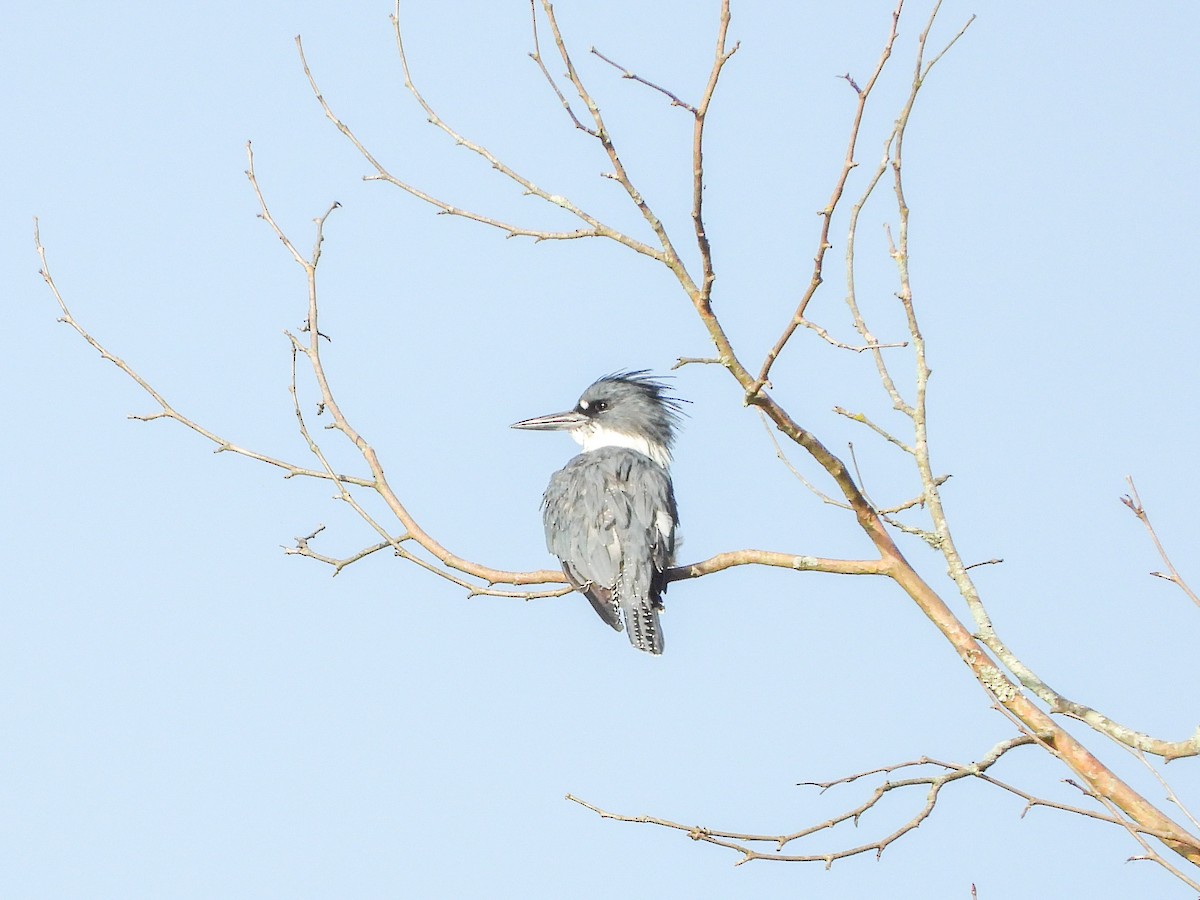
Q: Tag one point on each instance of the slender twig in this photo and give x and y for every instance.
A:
(918, 500)
(633, 76)
(596, 227)
(929, 537)
(1166, 786)
(859, 475)
(742, 842)
(985, 631)
(1117, 814)
(167, 411)
(1134, 503)
(883, 433)
(986, 562)
(826, 214)
(856, 314)
(854, 348)
(700, 114)
(344, 494)
(412, 530)
(536, 56)
(303, 549)
(695, 360)
(602, 134)
(1149, 853)
(783, 458)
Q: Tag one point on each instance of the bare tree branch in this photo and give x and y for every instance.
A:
(167, 411)
(780, 560)
(412, 533)
(633, 76)
(720, 57)
(886, 435)
(1058, 703)
(743, 843)
(919, 500)
(1166, 786)
(303, 548)
(1134, 503)
(596, 227)
(859, 348)
(602, 134)
(826, 214)
(536, 56)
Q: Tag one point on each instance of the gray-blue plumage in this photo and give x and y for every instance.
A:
(610, 513)
(617, 556)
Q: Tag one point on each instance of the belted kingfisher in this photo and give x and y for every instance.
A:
(610, 513)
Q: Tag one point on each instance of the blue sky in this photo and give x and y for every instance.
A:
(189, 712)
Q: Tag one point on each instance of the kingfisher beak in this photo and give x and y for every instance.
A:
(563, 421)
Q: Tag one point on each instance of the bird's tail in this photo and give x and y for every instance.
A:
(641, 621)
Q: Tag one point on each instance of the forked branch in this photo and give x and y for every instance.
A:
(1133, 503)
(839, 188)
(751, 846)
(411, 537)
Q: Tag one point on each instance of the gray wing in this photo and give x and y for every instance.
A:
(610, 518)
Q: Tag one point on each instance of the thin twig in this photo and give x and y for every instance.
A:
(859, 476)
(854, 348)
(536, 56)
(883, 433)
(918, 500)
(1187, 848)
(682, 361)
(303, 549)
(167, 411)
(602, 134)
(412, 530)
(742, 842)
(633, 76)
(985, 631)
(596, 227)
(1166, 786)
(782, 457)
(700, 115)
(856, 314)
(1134, 503)
(826, 214)
(929, 537)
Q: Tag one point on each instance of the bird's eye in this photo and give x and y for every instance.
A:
(600, 405)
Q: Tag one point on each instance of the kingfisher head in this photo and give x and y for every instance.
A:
(625, 409)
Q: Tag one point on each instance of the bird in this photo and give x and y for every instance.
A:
(609, 513)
